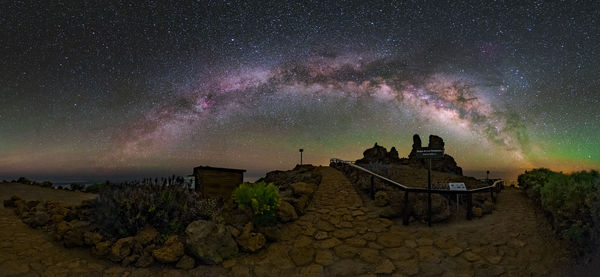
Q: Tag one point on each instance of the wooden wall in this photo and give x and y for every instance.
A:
(212, 183)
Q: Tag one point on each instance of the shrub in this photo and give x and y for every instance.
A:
(572, 203)
(122, 210)
(23, 180)
(95, 188)
(261, 199)
(75, 186)
(46, 184)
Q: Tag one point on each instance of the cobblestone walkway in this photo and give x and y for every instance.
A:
(340, 237)
(337, 236)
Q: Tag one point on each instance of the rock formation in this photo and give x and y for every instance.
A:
(210, 242)
(446, 164)
(378, 154)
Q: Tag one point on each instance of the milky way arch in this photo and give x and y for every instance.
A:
(455, 101)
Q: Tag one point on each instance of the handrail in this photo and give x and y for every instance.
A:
(368, 171)
(405, 213)
(403, 187)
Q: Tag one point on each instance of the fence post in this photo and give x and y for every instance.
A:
(405, 210)
(470, 206)
(372, 188)
(492, 192)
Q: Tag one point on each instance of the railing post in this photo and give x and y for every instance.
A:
(470, 206)
(429, 194)
(492, 192)
(372, 188)
(405, 210)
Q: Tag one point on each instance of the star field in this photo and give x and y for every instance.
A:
(121, 90)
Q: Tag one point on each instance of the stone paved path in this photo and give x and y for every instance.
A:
(337, 236)
(340, 237)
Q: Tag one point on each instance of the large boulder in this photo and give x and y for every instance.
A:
(146, 259)
(147, 235)
(286, 212)
(301, 203)
(250, 241)
(209, 242)
(170, 252)
(74, 236)
(121, 249)
(186, 263)
(302, 188)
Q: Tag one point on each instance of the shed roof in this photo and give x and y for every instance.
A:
(220, 169)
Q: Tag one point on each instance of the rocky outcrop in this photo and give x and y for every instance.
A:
(296, 187)
(379, 154)
(209, 242)
(301, 173)
(446, 164)
(286, 212)
(170, 252)
(121, 249)
(302, 188)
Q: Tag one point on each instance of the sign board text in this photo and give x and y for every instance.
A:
(428, 153)
(457, 186)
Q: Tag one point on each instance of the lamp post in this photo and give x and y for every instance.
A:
(487, 175)
(301, 150)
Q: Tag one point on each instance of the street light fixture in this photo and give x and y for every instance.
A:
(301, 150)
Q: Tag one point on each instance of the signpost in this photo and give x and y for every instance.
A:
(429, 154)
(457, 187)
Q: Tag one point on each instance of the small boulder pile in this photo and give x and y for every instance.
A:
(204, 241)
(296, 189)
(379, 155)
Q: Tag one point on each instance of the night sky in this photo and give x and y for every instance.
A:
(106, 91)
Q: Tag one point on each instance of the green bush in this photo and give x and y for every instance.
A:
(572, 202)
(95, 188)
(46, 184)
(122, 210)
(23, 180)
(75, 186)
(261, 199)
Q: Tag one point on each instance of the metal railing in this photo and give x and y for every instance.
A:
(495, 187)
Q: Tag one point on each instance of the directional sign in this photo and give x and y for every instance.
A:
(457, 186)
(428, 153)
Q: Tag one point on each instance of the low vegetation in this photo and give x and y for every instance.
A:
(23, 180)
(95, 188)
(261, 199)
(571, 201)
(122, 210)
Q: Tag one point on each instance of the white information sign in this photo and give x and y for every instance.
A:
(457, 186)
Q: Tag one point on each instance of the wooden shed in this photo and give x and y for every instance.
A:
(213, 182)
